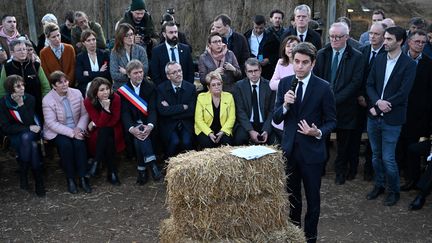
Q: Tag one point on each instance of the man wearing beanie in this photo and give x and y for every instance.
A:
(140, 19)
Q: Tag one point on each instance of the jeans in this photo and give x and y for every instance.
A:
(180, 140)
(144, 152)
(383, 139)
(25, 145)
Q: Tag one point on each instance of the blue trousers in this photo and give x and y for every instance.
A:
(383, 139)
(73, 155)
(25, 144)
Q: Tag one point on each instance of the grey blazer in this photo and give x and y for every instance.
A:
(120, 60)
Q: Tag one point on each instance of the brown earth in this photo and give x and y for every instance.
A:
(131, 213)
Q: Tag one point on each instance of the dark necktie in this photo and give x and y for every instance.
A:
(373, 57)
(301, 38)
(177, 92)
(299, 95)
(255, 108)
(334, 67)
(173, 57)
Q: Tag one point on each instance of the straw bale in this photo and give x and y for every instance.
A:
(232, 219)
(214, 175)
(289, 234)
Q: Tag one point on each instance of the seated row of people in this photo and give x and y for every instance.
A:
(101, 124)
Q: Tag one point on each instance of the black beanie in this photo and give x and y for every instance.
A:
(137, 5)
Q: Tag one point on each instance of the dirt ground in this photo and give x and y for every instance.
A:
(131, 213)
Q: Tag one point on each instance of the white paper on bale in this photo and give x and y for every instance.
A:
(252, 152)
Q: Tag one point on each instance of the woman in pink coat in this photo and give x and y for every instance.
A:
(66, 122)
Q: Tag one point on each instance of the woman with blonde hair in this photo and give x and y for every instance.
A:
(214, 114)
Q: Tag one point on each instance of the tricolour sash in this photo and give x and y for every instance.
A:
(133, 98)
(15, 114)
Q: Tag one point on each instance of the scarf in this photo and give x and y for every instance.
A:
(218, 58)
(9, 38)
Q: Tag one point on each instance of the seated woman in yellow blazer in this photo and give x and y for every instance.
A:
(214, 114)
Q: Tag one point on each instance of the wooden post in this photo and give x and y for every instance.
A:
(31, 20)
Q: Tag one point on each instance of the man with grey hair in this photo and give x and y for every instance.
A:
(139, 119)
(82, 23)
(176, 101)
(341, 65)
(302, 15)
(370, 51)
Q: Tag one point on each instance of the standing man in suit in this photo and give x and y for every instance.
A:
(139, 118)
(263, 45)
(370, 51)
(388, 86)
(176, 105)
(309, 114)
(302, 15)
(254, 102)
(171, 50)
(419, 110)
(342, 66)
(235, 42)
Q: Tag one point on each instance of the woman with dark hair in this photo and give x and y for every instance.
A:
(284, 68)
(66, 121)
(17, 119)
(125, 50)
(90, 63)
(218, 58)
(214, 114)
(105, 128)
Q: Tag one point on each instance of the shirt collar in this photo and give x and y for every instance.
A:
(376, 50)
(394, 59)
(341, 51)
(305, 80)
(169, 46)
(174, 87)
(419, 57)
(257, 83)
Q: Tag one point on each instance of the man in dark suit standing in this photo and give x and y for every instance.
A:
(302, 15)
(388, 86)
(235, 41)
(263, 45)
(419, 110)
(254, 102)
(309, 114)
(139, 118)
(370, 51)
(176, 105)
(341, 65)
(171, 50)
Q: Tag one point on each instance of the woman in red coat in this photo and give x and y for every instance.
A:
(105, 129)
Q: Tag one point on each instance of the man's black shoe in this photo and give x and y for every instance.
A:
(417, 203)
(391, 199)
(376, 191)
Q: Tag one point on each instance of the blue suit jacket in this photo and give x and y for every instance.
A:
(397, 89)
(175, 113)
(160, 58)
(318, 107)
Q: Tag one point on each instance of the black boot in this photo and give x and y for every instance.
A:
(113, 179)
(142, 177)
(156, 174)
(72, 188)
(93, 170)
(39, 185)
(24, 178)
(84, 184)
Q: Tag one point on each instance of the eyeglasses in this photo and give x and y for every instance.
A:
(176, 72)
(419, 42)
(216, 42)
(20, 85)
(21, 50)
(336, 37)
(129, 35)
(253, 71)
